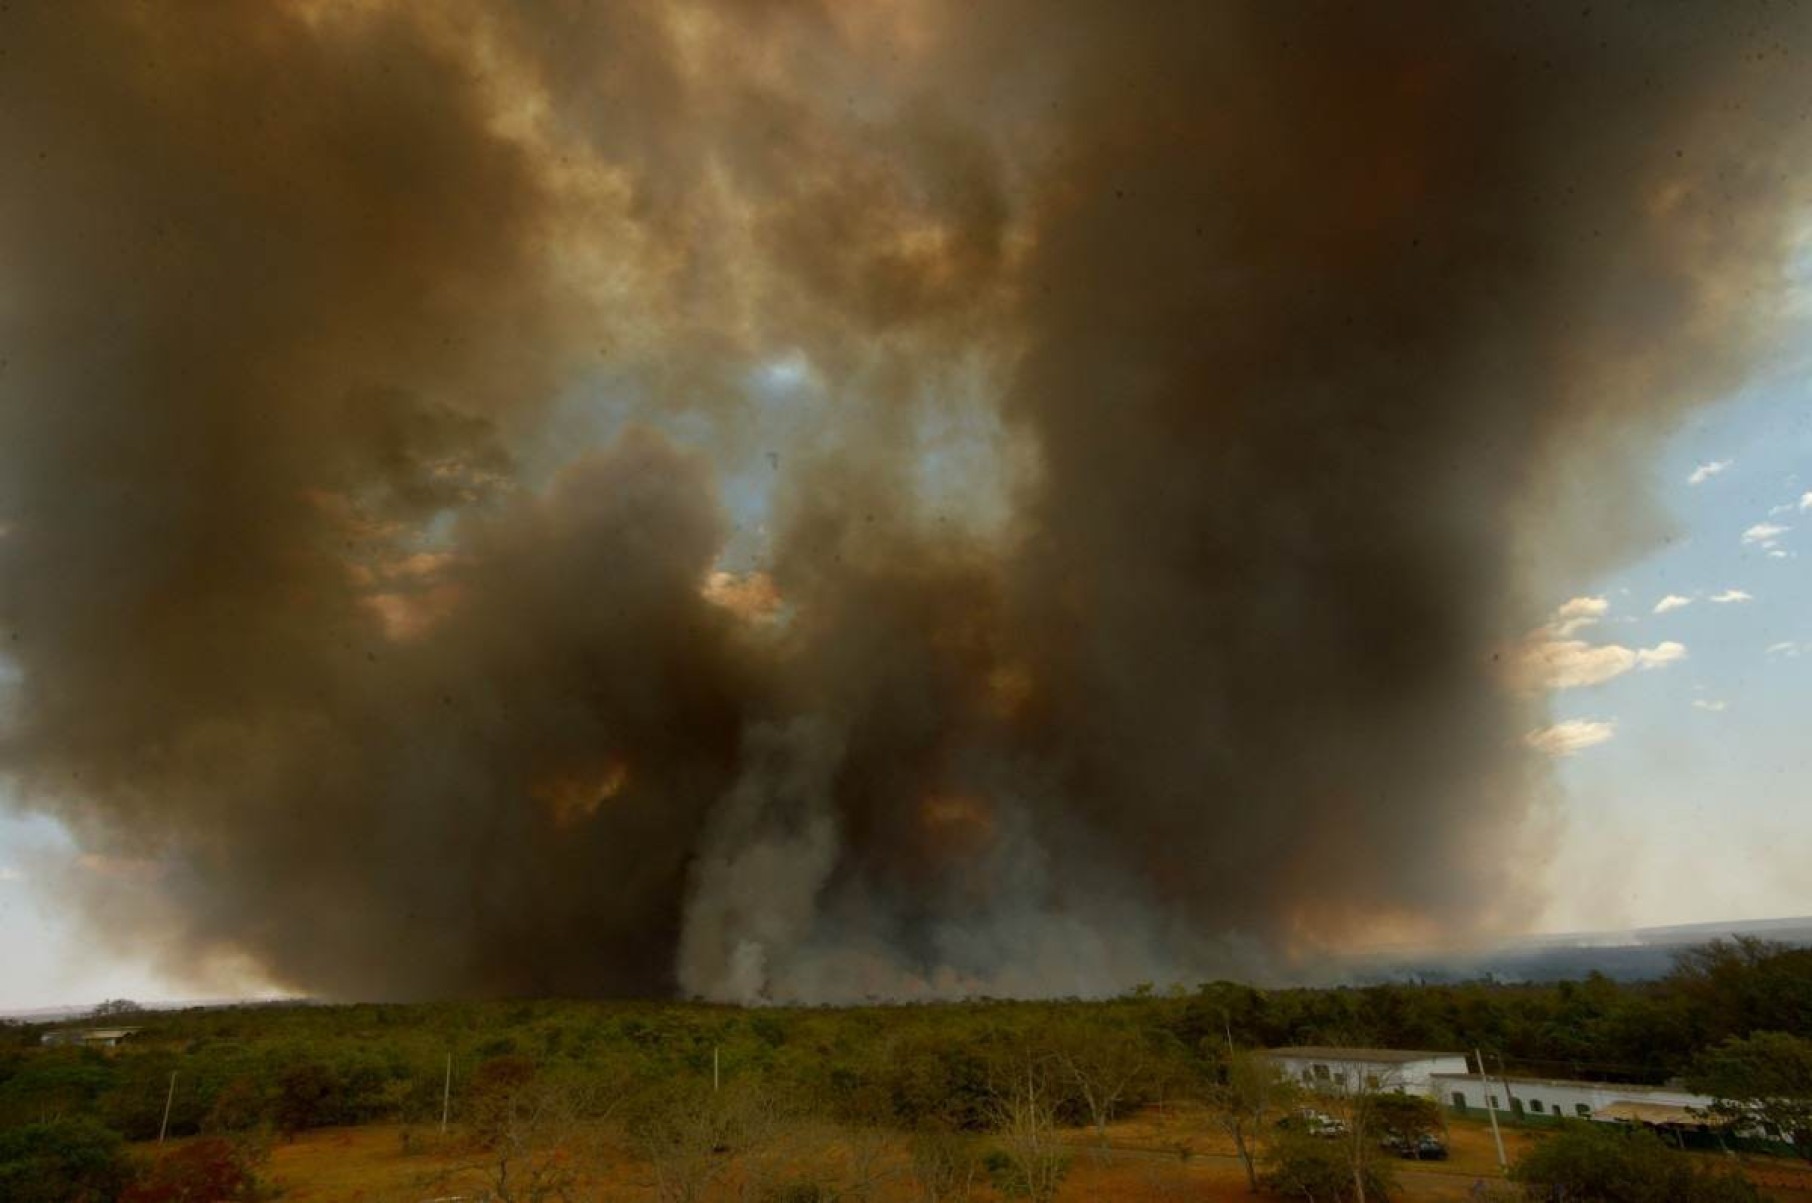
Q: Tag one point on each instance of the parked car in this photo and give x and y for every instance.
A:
(1424, 1147)
(1315, 1123)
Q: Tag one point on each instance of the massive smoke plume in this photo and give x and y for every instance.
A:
(814, 500)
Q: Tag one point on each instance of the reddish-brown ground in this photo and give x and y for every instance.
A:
(1159, 1154)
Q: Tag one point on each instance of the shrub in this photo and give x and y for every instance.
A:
(305, 1098)
(943, 1165)
(211, 1170)
(1033, 1174)
(1604, 1163)
(240, 1106)
(800, 1192)
(1300, 1166)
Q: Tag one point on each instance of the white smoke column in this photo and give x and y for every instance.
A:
(768, 850)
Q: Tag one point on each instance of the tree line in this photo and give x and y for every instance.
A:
(1733, 1016)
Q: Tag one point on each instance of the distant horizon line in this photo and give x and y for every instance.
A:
(1606, 938)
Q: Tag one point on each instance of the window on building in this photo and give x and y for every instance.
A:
(1582, 1110)
(1493, 1102)
(1340, 1079)
(1321, 1071)
(1535, 1106)
(1516, 1105)
(1371, 1081)
(1459, 1099)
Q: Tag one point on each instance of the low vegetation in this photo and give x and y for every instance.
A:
(939, 1101)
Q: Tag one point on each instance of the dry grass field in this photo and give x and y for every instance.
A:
(1159, 1154)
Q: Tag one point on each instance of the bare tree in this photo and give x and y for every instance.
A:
(696, 1138)
(1352, 1095)
(531, 1130)
(1025, 1119)
(868, 1155)
(1246, 1097)
(943, 1167)
(1106, 1066)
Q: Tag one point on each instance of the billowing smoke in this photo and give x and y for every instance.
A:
(817, 500)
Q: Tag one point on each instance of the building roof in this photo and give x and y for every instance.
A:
(1648, 1113)
(1574, 1083)
(1359, 1056)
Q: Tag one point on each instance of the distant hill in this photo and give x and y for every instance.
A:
(1639, 954)
(83, 1011)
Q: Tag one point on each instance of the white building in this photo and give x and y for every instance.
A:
(97, 1037)
(1547, 1097)
(1407, 1071)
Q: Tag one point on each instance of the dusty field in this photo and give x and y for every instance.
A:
(1160, 1154)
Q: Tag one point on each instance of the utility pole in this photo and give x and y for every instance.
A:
(1503, 1163)
(164, 1128)
(446, 1096)
(1509, 1098)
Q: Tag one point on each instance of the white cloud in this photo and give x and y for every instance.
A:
(1573, 735)
(1805, 501)
(1789, 649)
(1775, 553)
(1577, 613)
(1572, 663)
(1661, 655)
(1549, 658)
(8, 873)
(1672, 601)
(1713, 706)
(1583, 607)
(1705, 472)
(1731, 595)
(1765, 533)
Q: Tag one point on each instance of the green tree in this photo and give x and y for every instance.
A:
(1403, 1116)
(1737, 987)
(1765, 1078)
(62, 1161)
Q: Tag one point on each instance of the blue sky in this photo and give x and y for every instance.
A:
(1695, 807)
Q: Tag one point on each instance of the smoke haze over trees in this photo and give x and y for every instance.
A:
(803, 501)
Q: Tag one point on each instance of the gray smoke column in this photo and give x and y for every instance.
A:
(806, 500)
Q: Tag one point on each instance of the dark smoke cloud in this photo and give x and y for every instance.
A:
(794, 500)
